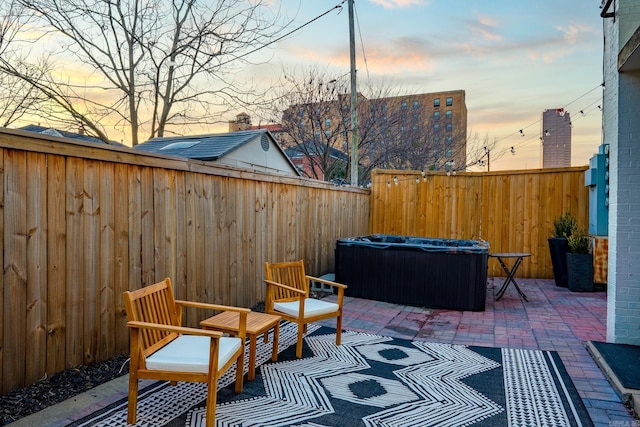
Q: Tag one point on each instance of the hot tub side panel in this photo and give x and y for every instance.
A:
(414, 277)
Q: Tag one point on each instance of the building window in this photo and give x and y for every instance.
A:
(403, 105)
(448, 152)
(449, 102)
(416, 105)
(345, 120)
(449, 127)
(436, 139)
(327, 133)
(448, 114)
(345, 107)
(327, 122)
(436, 115)
(436, 127)
(436, 102)
(449, 140)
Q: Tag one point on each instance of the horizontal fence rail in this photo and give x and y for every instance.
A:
(513, 210)
(82, 223)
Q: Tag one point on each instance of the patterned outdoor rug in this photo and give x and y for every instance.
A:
(372, 380)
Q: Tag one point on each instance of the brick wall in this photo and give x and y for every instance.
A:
(621, 126)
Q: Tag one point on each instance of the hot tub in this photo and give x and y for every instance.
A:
(416, 271)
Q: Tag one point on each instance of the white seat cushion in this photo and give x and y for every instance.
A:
(190, 353)
(312, 307)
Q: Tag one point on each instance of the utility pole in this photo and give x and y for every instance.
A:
(354, 100)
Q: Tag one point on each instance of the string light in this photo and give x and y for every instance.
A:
(524, 141)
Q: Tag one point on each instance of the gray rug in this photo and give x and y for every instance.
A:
(372, 380)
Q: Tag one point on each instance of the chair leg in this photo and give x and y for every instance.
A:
(132, 404)
(240, 372)
(301, 330)
(212, 397)
(338, 330)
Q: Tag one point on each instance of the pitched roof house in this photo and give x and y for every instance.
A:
(250, 149)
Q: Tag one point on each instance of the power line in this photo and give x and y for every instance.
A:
(338, 6)
(364, 55)
(583, 113)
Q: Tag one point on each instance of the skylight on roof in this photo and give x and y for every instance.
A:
(180, 145)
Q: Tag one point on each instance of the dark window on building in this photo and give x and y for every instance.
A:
(448, 114)
(449, 140)
(403, 105)
(436, 127)
(449, 127)
(436, 115)
(327, 122)
(449, 102)
(416, 105)
(436, 102)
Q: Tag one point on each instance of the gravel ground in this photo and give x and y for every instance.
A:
(59, 387)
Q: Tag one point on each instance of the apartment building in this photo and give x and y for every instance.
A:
(418, 131)
(556, 138)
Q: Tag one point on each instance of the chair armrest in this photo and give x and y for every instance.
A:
(169, 328)
(326, 282)
(289, 288)
(217, 307)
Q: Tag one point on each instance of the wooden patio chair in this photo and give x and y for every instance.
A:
(288, 297)
(162, 349)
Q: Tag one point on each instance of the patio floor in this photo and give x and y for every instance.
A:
(553, 319)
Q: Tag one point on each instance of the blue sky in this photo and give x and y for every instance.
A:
(513, 58)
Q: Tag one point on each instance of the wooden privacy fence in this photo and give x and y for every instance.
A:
(82, 223)
(512, 210)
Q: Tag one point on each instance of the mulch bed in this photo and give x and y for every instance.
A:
(59, 387)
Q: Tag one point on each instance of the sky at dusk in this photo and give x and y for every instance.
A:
(513, 59)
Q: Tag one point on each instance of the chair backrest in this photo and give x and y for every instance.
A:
(288, 273)
(153, 304)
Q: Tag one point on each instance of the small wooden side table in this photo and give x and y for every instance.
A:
(257, 323)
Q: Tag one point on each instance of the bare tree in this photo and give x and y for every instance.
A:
(153, 64)
(314, 111)
(17, 97)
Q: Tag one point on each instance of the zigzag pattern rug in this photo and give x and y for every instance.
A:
(372, 380)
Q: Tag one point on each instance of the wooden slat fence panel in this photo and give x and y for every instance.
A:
(514, 211)
(81, 223)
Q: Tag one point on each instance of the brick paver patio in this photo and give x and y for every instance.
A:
(553, 319)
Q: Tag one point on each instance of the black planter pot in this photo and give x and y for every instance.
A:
(580, 272)
(558, 248)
